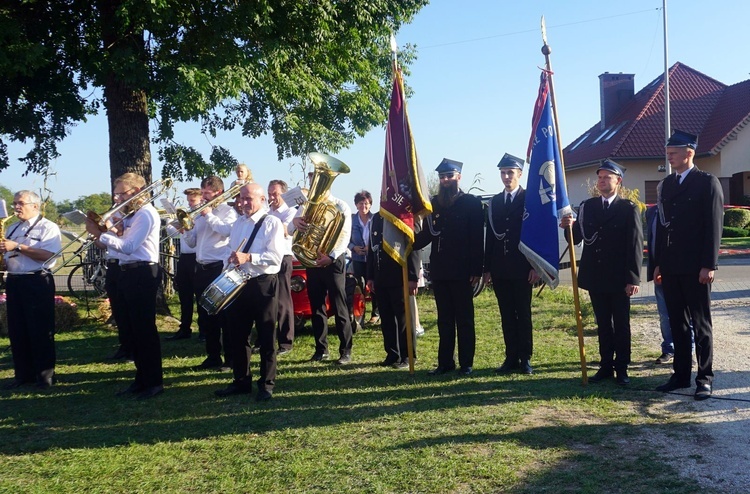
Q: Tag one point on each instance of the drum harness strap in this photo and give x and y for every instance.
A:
(246, 249)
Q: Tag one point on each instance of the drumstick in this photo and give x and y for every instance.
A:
(239, 247)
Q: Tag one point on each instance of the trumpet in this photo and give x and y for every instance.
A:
(186, 217)
(120, 211)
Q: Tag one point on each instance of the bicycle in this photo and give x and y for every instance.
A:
(87, 279)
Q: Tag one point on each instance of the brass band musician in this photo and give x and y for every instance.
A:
(31, 292)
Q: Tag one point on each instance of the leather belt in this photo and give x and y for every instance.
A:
(137, 264)
(209, 265)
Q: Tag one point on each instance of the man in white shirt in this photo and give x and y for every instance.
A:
(31, 292)
(138, 252)
(285, 323)
(256, 248)
(329, 278)
(185, 272)
(210, 238)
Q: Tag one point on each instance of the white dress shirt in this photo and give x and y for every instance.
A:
(210, 236)
(267, 248)
(286, 215)
(184, 247)
(44, 235)
(140, 238)
(342, 243)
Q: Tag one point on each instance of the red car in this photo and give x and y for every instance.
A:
(354, 295)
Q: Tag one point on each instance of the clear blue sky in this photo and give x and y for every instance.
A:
(475, 82)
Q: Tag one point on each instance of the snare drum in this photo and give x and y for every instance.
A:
(223, 290)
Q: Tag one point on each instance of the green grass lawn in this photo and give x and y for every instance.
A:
(360, 428)
(735, 243)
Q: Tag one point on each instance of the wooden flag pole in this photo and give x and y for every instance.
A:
(546, 51)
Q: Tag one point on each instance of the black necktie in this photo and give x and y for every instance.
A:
(508, 200)
(605, 205)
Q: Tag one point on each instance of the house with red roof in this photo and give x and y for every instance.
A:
(631, 132)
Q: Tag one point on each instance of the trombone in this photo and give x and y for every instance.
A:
(186, 217)
(120, 211)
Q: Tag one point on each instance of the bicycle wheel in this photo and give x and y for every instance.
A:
(80, 286)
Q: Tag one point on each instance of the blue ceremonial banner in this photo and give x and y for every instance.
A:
(546, 196)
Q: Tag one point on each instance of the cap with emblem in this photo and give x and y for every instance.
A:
(612, 167)
(510, 161)
(682, 139)
(447, 166)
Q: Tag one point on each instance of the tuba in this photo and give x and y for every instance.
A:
(324, 218)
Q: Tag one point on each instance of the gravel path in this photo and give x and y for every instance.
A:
(715, 449)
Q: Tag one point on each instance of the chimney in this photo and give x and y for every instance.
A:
(615, 91)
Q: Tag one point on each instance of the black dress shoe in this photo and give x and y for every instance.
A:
(509, 365)
(344, 359)
(263, 395)
(45, 383)
(132, 389)
(13, 384)
(622, 377)
(282, 351)
(672, 384)
(465, 370)
(208, 364)
(179, 335)
(232, 389)
(120, 354)
(388, 362)
(401, 364)
(440, 370)
(526, 367)
(601, 375)
(703, 392)
(317, 356)
(150, 392)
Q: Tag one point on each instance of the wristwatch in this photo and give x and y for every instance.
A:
(18, 248)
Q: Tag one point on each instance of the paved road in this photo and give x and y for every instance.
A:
(732, 281)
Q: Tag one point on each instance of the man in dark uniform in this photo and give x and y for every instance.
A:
(455, 231)
(688, 235)
(385, 280)
(512, 275)
(610, 268)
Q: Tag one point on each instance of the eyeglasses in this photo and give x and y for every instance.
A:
(446, 175)
(22, 204)
(120, 194)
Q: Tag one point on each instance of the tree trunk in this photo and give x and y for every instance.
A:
(126, 103)
(127, 117)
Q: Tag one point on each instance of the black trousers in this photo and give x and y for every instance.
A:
(255, 305)
(111, 286)
(31, 326)
(183, 280)
(137, 288)
(612, 312)
(285, 331)
(331, 281)
(688, 299)
(455, 307)
(514, 301)
(392, 322)
(211, 326)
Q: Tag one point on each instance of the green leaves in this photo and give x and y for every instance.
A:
(314, 74)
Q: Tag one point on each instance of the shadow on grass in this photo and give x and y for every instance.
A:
(82, 411)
